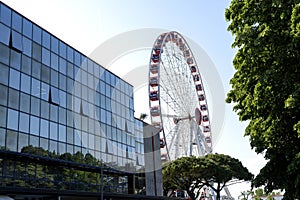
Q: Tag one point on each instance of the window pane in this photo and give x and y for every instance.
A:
(46, 39)
(26, 64)
(62, 49)
(13, 119)
(54, 44)
(27, 46)
(37, 34)
(4, 54)
(3, 74)
(55, 95)
(46, 56)
(16, 22)
(54, 78)
(62, 133)
(44, 109)
(37, 51)
(54, 113)
(62, 99)
(4, 34)
(45, 74)
(34, 125)
(44, 128)
(62, 66)
(23, 141)
(24, 123)
(53, 131)
(15, 59)
(14, 79)
(11, 140)
(25, 83)
(54, 61)
(45, 91)
(5, 15)
(35, 87)
(3, 114)
(27, 28)
(35, 106)
(24, 102)
(17, 41)
(36, 69)
(70, 52)
(13, 99)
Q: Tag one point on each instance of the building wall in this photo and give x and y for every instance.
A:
(62, 113)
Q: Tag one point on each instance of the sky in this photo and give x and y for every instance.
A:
(88, 24)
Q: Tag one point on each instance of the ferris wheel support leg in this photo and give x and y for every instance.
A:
(191, 138)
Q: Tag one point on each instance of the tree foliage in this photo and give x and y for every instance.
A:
(266, 86)
(214, 170)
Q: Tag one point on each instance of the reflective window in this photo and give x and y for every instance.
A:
(35, 106)
(5, 15)
(62, 115)
(62, 133)
(12, 119)
(61, 148)
(16, 22)
(46, 39)
(13, 99)
(27, 28)
(4, 74)
(44, 128)
(70, 70)
(70, 135)
(54, 61)
(15, 59)
(54, 113)
(36, 69)
(26, 64)
(44, 143)
(45, 76)
(14, 79)
(54, 78)
(3, 114)
(77, 58)
(91, 141)
(4, 34)
(54, 96)
(25, 83)
(4, 54)
(54, 44)
(24, 102)
(35, 87)
(23, 141)
(53, 146)
(45, 56)
(37, 34)
(24, 122)
(45, 91)
(62, 82)
(84, 139)
(34, 125)
(37, 51)
(2, 137)
(62, 99)
(70, 53)
(53, 131)
(62, 66)
(11, 140)
(34, 141)
(27, 46)
(62, 49)
(17, 42)
(44, 109)
(77, 137)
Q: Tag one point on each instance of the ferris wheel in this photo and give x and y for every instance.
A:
(177, 100)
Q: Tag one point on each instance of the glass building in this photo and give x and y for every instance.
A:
(66, 124)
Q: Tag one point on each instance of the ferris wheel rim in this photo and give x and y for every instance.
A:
(155, 89)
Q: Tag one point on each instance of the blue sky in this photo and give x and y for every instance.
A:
(87, 24)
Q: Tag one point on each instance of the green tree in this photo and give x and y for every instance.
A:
(266, 86)
(214, 170)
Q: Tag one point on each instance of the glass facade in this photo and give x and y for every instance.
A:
(63, 117)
